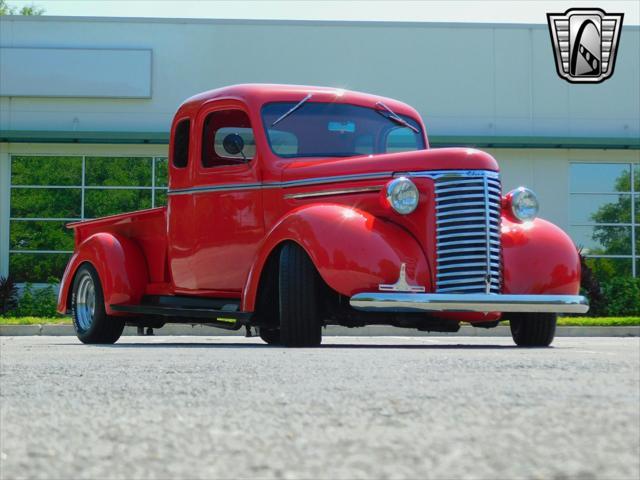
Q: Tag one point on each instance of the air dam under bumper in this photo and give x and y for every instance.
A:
(473, 302)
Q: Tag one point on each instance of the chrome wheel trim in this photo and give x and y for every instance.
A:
(85, 302)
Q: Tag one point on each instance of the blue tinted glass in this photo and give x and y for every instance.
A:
(336, 130)
(600, 177)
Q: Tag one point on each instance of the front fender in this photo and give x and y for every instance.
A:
(539, 257)
(121, 267)
(352, 250)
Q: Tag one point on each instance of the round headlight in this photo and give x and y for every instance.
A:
(402, 195)
(524, 204)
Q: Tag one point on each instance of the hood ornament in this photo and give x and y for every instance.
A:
(401, 285)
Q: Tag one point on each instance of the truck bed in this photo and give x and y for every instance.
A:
(148, 228)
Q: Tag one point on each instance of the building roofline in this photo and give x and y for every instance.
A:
(238, 21)
(262, 21)
(162, 138)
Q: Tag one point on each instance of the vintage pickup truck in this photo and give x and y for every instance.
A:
(293, 207)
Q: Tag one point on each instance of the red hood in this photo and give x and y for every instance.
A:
(420, 160)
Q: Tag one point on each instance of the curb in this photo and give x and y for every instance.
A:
(330, 331)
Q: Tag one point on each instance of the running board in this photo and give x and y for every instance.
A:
(222, 318)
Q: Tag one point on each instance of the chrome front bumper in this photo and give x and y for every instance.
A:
(473, 302)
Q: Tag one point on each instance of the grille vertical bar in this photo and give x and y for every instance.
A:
(468, 232)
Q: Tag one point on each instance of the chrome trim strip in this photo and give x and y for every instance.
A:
(455, 174)
(469, 249)
(487, 215)
(458, 288)
(472, 302)
(289, 184)
(216, 188)
(326, 193)
(339, 178)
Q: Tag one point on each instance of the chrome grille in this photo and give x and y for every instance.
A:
(468, 232)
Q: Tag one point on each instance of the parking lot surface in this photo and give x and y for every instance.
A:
(225, 407)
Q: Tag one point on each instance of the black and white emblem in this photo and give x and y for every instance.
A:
(585, 43)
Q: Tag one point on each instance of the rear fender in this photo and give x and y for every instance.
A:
(539, 257)
(121, 267)
(352, 250)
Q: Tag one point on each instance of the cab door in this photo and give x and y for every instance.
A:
(226, 200)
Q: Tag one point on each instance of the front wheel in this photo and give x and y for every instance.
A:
(299, 285)
(533, 329)
(271, 336)
(90, 320)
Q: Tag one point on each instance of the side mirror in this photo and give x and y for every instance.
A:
(233, 144)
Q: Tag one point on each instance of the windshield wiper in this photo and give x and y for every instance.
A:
(291, 110)
(395, 117)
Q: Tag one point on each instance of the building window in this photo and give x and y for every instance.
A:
(604, 216)
(47, 192)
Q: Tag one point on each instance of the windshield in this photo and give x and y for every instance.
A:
(317, 129)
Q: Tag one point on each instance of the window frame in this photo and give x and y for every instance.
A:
(379, 140)
(633, 224)
(179, 123)
(154, 188)
(231, 161)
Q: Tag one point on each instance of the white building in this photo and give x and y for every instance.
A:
(84, 100)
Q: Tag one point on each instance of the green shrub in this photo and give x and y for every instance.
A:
(591, 288)
(609, 294)
(622, 296)
(36, 302)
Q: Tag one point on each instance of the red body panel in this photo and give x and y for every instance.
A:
(539, 257)
(121, 266)
(342, 239)
(222, 223)
(215, 235)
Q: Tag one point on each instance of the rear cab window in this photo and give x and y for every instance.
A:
(181, 144)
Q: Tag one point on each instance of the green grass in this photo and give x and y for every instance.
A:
(562, 321)
(35, 320)
(598, 321)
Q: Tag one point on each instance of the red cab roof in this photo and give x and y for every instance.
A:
(256, 94)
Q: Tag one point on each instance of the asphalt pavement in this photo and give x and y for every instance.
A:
(228, 407)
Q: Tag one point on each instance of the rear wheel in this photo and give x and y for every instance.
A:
(533, 329)
(90, 320)
(298, 294)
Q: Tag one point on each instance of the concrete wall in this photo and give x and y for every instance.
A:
(465, 79)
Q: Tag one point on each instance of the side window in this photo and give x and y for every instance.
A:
(402, 140)
(227, 139)
(181, 144)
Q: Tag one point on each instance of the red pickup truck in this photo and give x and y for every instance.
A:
(293, 207)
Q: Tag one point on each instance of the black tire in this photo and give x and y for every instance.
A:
(270, 336)
(298, 294)
(533, 329)
(90, 320)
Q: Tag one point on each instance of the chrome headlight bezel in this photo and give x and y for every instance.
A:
(524, 204)
(402, 195)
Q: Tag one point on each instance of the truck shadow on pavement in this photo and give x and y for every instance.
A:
(343, 346)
